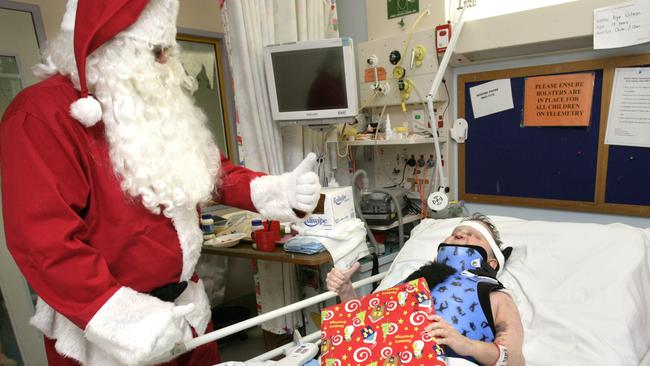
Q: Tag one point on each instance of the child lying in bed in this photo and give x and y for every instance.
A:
(475, 318)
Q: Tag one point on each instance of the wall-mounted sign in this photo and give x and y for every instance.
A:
(398, 8)
(622, 25)
(491, 97)
(558, 100)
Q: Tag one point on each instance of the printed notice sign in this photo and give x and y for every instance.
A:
(558, 100)
(628, 122)
(622, 25)
(398, 8)
(491, 97)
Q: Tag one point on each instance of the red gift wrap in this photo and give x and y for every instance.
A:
(381, 329)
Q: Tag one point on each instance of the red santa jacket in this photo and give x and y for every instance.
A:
(76, 236)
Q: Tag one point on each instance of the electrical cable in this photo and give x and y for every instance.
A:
(408, 39)
(381, 115)
(402, 180)
(422, 199)
(448, 98)
(357, 208)
(340, 134)
(381, 166)
(424, 106)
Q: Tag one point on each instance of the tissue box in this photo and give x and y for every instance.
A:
(337, 207)
(381, 329)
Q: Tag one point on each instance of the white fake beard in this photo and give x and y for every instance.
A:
(160, 145)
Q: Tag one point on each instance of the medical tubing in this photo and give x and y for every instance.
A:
(400, 220)
(340, 135)
(181, 348)
(357, 207)
(408, 39)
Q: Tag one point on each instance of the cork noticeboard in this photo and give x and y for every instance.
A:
(556, 167)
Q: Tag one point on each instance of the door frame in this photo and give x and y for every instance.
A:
(15, 290)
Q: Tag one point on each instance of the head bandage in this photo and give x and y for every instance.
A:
(488, 237)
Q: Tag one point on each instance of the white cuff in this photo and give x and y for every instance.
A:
(195, 294)
(270, 197)
(133, 327)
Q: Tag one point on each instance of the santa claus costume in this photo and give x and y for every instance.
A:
(103, 165)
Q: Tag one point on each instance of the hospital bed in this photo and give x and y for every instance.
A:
(583, 290)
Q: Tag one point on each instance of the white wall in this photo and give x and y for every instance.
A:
(197, 14)
(379, 26)
(552, 28)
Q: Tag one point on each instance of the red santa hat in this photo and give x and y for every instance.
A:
(96, 22)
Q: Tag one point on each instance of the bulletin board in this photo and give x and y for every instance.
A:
(571, 168)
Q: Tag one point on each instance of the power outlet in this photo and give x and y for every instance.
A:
(418, 122)
(391, 164)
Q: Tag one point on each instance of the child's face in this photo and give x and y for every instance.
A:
(466, 235)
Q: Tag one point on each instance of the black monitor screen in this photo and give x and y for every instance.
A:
(311, 79)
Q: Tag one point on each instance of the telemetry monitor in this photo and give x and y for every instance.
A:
(312, 81)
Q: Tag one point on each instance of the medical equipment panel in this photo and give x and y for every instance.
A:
(398, 69)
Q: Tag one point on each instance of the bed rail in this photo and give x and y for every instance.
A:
(181, 348)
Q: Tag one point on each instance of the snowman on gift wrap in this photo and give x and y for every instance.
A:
(402, 297)
(347, 332)
(417, 348)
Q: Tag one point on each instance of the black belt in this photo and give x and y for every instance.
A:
(169, 292)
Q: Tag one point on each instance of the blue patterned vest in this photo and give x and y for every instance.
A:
(463, 299)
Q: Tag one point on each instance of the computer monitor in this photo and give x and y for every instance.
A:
(312, 82)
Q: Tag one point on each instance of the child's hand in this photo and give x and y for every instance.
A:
(447, 335)
(339, 280)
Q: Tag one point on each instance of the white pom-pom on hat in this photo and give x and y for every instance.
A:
(95, 23)
(86, 110)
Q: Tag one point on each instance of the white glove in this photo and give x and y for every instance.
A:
(135, 327)
(195, 294)
(277, 196)
(303, 188)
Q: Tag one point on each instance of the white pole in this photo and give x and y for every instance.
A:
(249, 323)
(434, 90)
(280, 350)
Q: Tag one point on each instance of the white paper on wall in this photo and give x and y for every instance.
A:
(491, 97)
(622, 25)
(628, 122)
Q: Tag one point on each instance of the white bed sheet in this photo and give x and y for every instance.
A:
(583, 290)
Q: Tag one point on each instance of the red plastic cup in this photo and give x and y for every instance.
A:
(265, 240)
(274, 227)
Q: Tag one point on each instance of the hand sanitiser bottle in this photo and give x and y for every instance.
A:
(388, 128)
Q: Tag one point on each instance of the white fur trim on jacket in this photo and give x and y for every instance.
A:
(190, 236)
(136, 327)
(195, 294)
(70, 340)
(270, 197)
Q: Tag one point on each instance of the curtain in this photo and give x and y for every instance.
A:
(250, 25)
